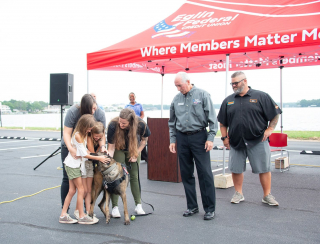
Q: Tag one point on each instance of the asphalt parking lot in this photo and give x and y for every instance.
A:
(34, 218)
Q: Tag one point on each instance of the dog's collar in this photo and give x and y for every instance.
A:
(108, 170)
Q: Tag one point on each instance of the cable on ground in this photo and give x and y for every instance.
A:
(30, 195)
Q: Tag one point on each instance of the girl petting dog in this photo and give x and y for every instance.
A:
(96, 136)
(93, 139)
(74, 167)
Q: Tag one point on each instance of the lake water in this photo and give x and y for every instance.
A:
(296, 119)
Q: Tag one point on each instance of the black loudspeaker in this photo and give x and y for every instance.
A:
(61, 89)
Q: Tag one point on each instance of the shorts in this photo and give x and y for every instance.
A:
(259, 157)
(72, 172)
(89, 169)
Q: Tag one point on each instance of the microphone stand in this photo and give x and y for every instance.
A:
(56, 151)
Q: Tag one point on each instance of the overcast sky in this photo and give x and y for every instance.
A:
(39, 37)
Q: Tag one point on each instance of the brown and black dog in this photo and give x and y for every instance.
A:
(101, 174)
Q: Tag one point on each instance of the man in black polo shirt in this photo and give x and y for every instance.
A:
(244, 118)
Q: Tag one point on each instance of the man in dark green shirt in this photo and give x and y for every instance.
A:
(191, 111)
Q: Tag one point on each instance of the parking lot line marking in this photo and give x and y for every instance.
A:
(29, 147)
(36, 156)
(215, 170)
(306, 165)
(17, 141)
(275, 155)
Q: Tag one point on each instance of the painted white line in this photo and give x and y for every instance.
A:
(35, 156)
(275, 155)
(16, 141)
(215, 170)
(29, 147)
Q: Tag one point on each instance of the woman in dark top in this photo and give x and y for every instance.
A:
(127, 136)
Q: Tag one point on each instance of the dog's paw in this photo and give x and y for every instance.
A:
(127, 222)
(107, 221)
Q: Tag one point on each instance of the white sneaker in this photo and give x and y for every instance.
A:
(76, 214)
(66, 219)
(87, 220)
(95, 219)
(139, 209)
(115, 212)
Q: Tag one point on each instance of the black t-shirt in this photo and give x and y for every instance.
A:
(247, 117)
(143, 131)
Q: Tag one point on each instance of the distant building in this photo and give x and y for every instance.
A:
(17, 111)
(52, 109)
(5, 109)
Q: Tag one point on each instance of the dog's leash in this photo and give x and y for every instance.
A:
(138, 215)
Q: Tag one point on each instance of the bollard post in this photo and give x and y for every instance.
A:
(24, 121)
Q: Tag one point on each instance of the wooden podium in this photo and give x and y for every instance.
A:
(162, 164)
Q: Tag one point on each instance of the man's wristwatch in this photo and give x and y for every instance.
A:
(223, 138)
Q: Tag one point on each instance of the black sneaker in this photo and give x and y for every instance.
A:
(190, 212)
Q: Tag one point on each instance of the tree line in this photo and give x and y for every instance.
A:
(308, 103)
(26, 106)
(40, 105)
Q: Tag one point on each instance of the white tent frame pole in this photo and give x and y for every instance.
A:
(87, 81)
(225, 91)
(162, 95)
(281, 105)
(162, 74)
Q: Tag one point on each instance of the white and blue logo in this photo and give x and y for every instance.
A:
(171, 31)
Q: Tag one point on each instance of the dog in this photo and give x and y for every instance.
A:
(111, 178)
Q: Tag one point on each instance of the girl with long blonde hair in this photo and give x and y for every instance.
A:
(93, 139)
(75, 167)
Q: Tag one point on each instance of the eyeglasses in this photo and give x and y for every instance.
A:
(236, 83)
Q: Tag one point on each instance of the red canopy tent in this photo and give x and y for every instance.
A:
(198, 36)
(209, 35)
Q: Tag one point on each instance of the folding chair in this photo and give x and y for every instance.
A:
(279, 140)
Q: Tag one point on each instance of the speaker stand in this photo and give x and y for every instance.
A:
(56, 151)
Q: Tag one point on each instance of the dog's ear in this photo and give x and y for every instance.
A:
(94, 154)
